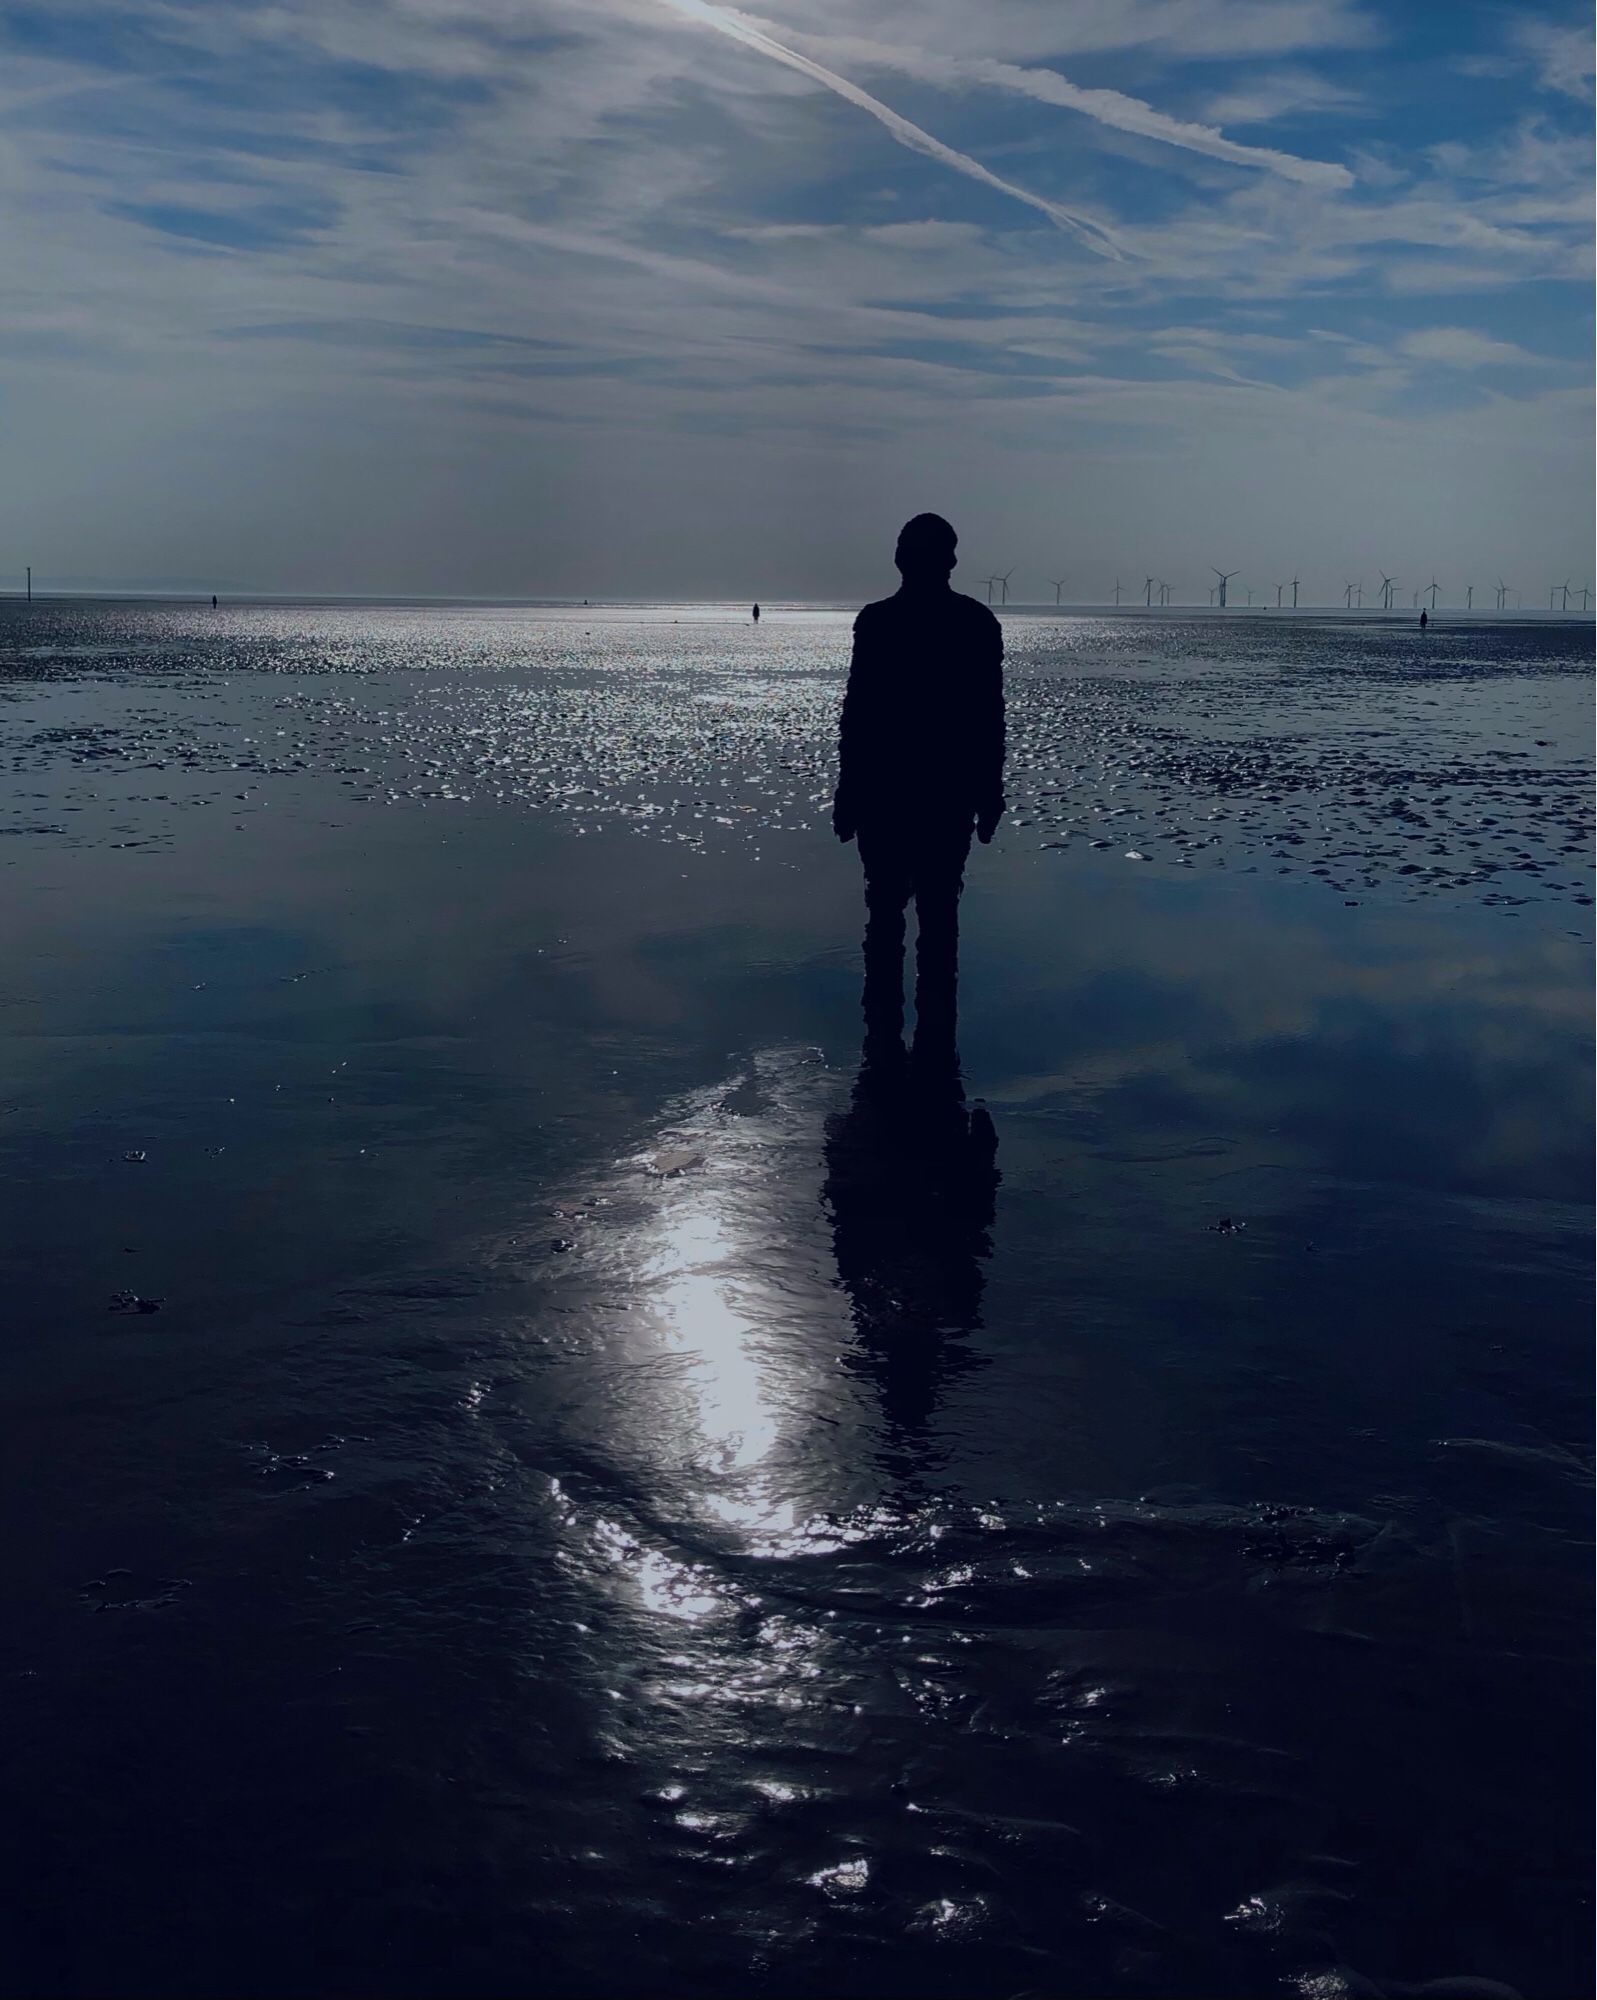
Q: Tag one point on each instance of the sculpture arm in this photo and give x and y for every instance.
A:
(988, 733)
(852, 729)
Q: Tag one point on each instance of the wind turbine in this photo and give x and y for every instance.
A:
(1502, 593)
(1211, 595)
(1348, 596)
(1147, 591)
(1386, 590)
(1225, 576)
(1564, 587)
(1469, 597)
(1280, 587)
(1003, 583)
(1294, 593)
(1433, 587)
(1118, 588)
(989, 581)
(1585, 597)
(1058, 584)
(1164, 593)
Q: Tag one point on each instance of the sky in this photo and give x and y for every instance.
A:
(668, 298)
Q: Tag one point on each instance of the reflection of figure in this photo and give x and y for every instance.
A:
(910, 1181)
(921, 763)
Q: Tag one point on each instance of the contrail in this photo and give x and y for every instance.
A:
(740, 29)
(1107, 107)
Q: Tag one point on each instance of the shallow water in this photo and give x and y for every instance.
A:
(519, 1484)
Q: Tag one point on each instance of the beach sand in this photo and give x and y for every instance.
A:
(499, 1503)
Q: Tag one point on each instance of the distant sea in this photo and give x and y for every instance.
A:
(518, 1481)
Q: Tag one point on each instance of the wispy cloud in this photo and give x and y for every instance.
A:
(1563, 56)
(1107, 107)
(640, 275)
(1260, 100)
(742, 29)
(1461, 347)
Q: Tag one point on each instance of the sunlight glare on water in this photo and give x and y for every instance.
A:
(523, 1466)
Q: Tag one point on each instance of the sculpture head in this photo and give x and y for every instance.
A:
(925, 552)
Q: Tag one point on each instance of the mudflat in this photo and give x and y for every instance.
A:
(516, 1483)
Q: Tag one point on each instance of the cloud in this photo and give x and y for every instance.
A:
(741, 29)
(960, 236)
(1280, 94)
(259, 226)
(1164, 30)
(1562, 57)
(1107, 107)
(585, 276)
(1462, 347)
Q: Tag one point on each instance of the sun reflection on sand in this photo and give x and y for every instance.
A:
(728, 1356)
(762, 1361)
(697, 1268)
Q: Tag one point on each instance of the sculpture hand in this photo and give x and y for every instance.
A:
(987, 821)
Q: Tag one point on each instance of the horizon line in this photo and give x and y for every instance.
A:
(189, 595)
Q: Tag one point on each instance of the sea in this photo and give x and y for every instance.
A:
(522, 1478)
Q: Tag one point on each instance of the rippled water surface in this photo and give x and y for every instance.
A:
(520, 1481)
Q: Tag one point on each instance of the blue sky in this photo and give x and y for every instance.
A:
(644, 296)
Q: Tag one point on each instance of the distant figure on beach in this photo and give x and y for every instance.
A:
(756, 614)
(213, 600)
(921, 767)
(1424, 620)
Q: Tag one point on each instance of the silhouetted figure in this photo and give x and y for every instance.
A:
(213, 600)
(921, 766)
(910, 1181)
(756, 614)
(1424, 620)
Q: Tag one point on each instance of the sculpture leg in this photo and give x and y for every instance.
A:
(939, 879)
(887, 892)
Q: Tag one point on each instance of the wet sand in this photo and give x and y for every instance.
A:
(500, 1502)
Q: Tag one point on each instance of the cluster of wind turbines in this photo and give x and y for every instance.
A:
(1149, 587)
(1352, 592)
